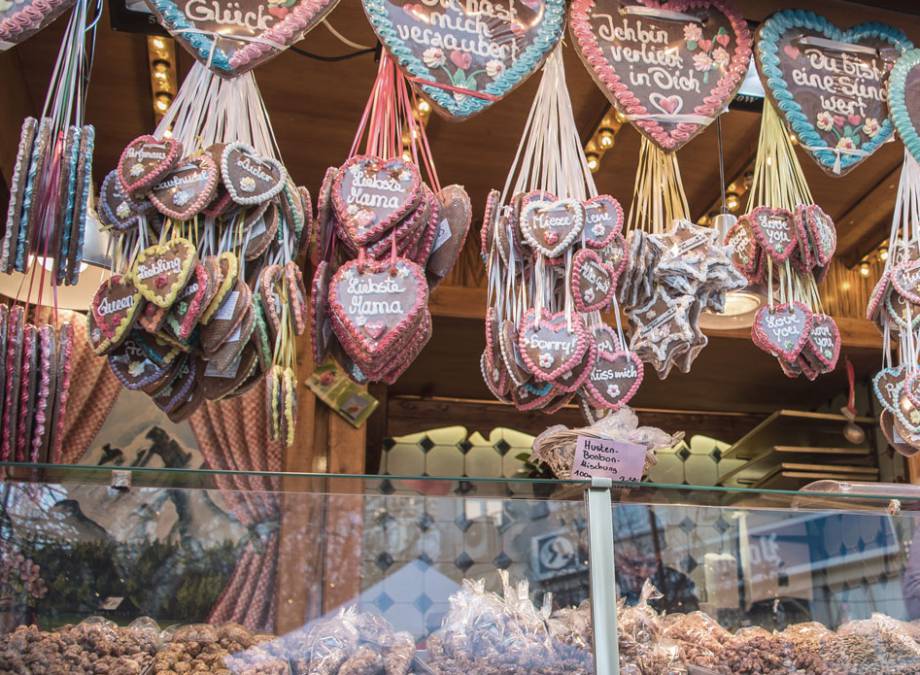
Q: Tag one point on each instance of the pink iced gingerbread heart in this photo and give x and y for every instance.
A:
(552, 345)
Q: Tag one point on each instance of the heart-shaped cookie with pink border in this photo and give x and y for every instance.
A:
(614, 380)
(550, 346)
(670, 69)
(572, 380)
(824, 341)
(593, 281)
(782, 330)
(603, 220)
(187, 188)
(145, 161)
(371, 195)
(377, 303)
(774, 229)
(906, 280)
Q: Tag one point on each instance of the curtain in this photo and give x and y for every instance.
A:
(233, 435)
(93, 391)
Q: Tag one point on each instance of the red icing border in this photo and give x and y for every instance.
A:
(578, 261)
(581, 343)
(759, 337)
(144, 183)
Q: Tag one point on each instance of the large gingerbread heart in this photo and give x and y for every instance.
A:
(233, 36)
(904, 100)
(145, 161)
(550, 347)
(465, 56)
(829, 84)
(162, 270)
(670, 69)
(377, 303)
(21, 19)
(371, 195)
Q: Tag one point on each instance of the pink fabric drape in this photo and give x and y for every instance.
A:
(233, 435)
(93, 391)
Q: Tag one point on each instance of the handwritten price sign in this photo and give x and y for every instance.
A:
(603, 458)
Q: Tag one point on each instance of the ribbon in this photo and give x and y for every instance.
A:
(242, 38)
(674, 118)
(454, 90)
(838, 151)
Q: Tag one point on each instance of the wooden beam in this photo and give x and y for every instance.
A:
(865, 226)
(409, 414)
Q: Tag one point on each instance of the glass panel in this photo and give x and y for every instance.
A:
(742, 589)
(333, 571)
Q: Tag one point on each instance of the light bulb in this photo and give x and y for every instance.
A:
(605, 138)
(594, 162)
(883, 254)
(864, 270)
(732, 202)
(424, 107)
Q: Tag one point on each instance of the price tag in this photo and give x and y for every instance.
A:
(604, 458)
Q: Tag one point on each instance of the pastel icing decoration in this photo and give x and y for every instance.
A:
(460, 72)
(904, 100)
(829, 84)
(162, 270)
(670, 69)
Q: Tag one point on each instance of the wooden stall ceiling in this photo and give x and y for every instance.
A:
(315, 105)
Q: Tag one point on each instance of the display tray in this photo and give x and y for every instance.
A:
(153, 570)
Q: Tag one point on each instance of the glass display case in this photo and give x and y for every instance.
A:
(168, 571)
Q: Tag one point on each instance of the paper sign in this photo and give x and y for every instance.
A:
(604, 458)
(334, 388)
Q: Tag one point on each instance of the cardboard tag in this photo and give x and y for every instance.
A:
(604, 458)
(333, 387)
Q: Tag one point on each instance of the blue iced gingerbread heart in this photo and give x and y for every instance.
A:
(832, 97)
(904, 100)
(464, 61)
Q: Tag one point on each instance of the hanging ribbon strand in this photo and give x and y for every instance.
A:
(786, 241)
(554, 254)
(387, 233)
(206, 297)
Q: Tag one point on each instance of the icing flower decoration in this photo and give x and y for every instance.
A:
(702, 61)
(845, 143)
(136, 169)
(839, 121)
(495, 68)
(692, 32)
(546, 360)
(123, 210)
(871, 127)
(462, 60)
(825, 121)
(434, 57)
(721, 57)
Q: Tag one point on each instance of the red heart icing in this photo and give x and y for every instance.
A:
(782, 330)
(550, 349)
(680, 54)
(145, 161)
(370, 195)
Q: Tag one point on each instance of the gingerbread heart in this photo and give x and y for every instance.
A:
(21, 20)
(572, 380)
(453, 227)
(593, 281)
(228, 267)
(550, 347)
(162, 270)
(321, 325)
(489, 222)
(603, 221)
(371, 195)
(821, 233)
(227, 318)
(904, 100)
(829, 84)
(878, 295)
(269, 289)
(550, 227)
(325, 219)
(782, 330)
(461, 76)
(231, 39)
(606, 338)
(376, 304)
(190, 303)
(672, 68)
(824, 341)
(297, 296)
(885, 385)
(118, 209)
(532, 395)
(145, 161)
(137, 363)
(249, 177)
(115, 307)
(234, 344)
(906, 280)
(511, 357)
(187, 188)
(217, 383)
(774, 229)
(496, 379)
(614, 380)
(744, 252)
